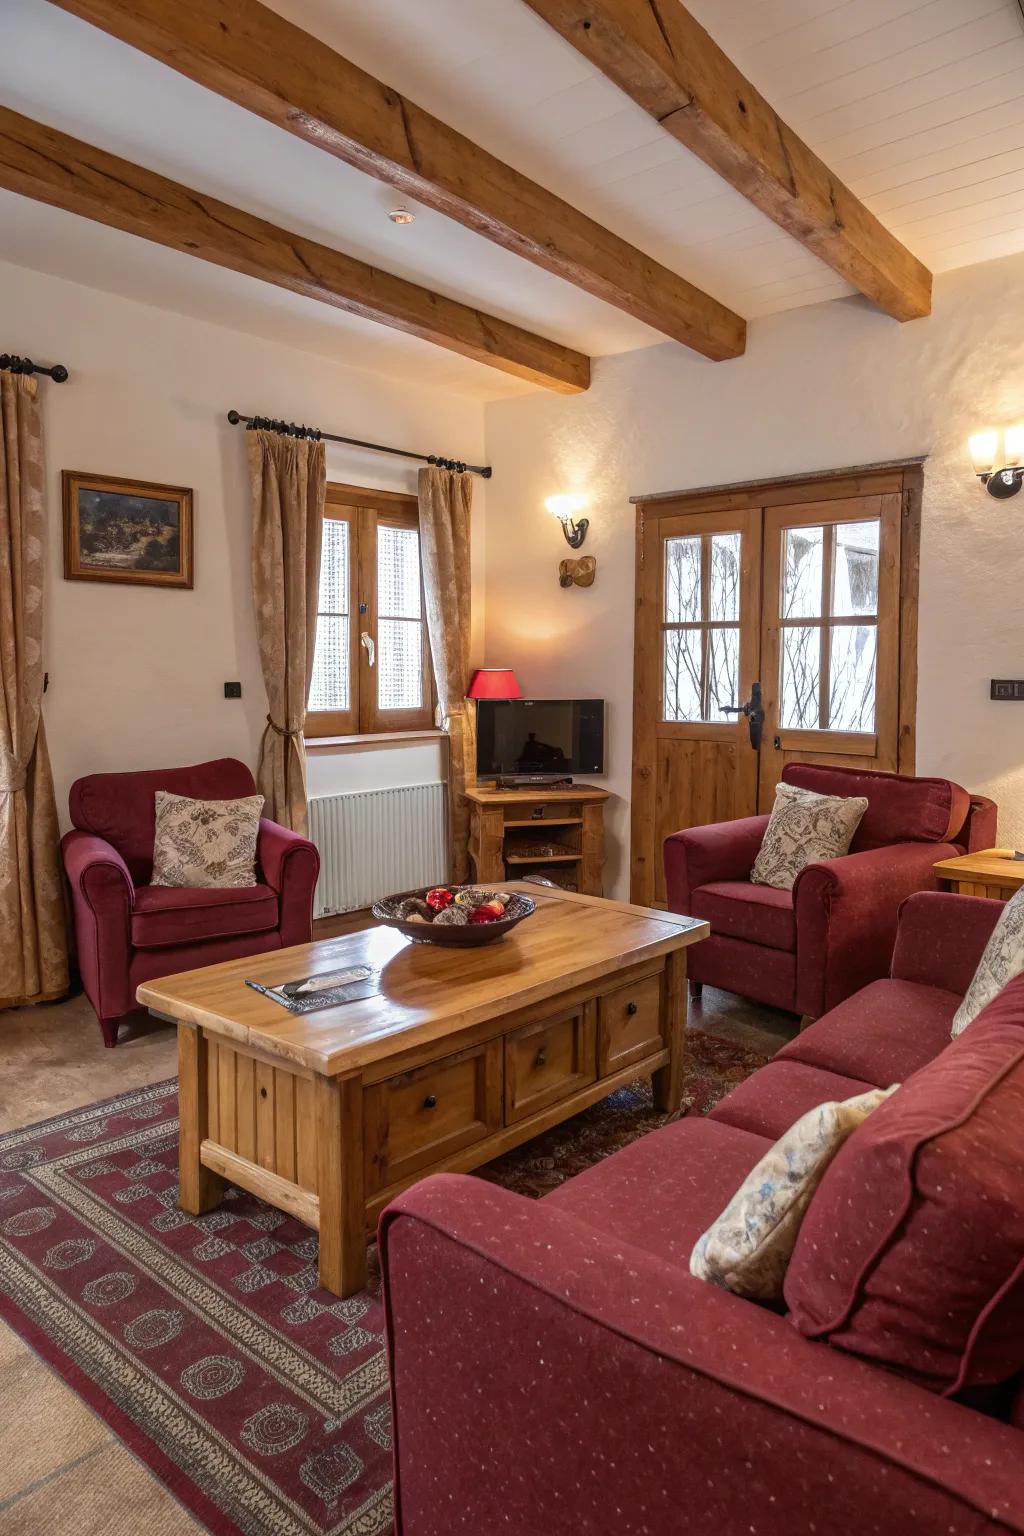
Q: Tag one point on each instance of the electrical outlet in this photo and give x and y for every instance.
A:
(232, 690)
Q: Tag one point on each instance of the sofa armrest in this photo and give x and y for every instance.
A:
(725, 850)
(979, 830)
(941, 938)
(547, 1376)
(102, 898)
(846, 915)
(291, 865)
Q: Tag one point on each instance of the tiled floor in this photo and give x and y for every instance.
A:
(62, 1471)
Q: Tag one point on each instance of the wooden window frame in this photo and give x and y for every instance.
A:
(365, 511)
(829, 516)
(703, 626)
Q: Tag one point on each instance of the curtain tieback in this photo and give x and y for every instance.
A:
(281, 730)
(12, 774)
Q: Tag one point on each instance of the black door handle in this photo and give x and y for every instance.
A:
(754, 711)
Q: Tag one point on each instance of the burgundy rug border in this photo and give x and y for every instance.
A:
(178, 1483)
(82, 1109)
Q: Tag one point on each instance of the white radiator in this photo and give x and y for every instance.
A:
(377, 842)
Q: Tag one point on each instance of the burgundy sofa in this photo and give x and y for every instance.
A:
(808, 948)
(128, 931)
(556, 1368)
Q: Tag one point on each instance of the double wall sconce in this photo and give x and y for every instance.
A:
(998, 459)
(579, 573)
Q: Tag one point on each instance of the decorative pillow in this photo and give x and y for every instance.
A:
(205, 843)
(803, 828)
(912, 1251)
(1002, 960)
(748, 1248)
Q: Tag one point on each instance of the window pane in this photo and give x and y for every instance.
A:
(855, 569)
(334, 567)
(399, 664)
(398, 573)
(724, 667)
(330, 686)
(682, 674)
(851, 704)
(801, 678)
(682, 581)
(801, 573)
(725, 576)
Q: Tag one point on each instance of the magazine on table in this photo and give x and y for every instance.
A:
(328, 989)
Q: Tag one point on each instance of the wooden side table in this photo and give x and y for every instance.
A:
(555, 832)
(993, 872)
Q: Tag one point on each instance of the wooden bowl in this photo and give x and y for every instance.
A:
(457, 936)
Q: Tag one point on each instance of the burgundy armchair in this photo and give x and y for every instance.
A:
(809, 948)
(129, 931)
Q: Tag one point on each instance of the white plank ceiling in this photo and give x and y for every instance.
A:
(917, 104)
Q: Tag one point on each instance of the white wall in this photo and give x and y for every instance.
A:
(137, 674)
(819, 388)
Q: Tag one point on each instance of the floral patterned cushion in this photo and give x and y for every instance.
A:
(1002, 961)
(205, 843)
(748, 1248)
(804, 828)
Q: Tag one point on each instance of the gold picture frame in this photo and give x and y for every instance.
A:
(126, 531)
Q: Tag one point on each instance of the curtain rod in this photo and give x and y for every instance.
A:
(267, 424)
(10, 360)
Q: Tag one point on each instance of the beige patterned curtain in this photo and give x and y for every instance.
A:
(288, 480)
(33, 935)
(445, 500)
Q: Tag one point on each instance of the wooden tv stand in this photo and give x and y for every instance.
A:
(558, 833)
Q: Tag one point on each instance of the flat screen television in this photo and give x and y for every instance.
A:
(539, 736)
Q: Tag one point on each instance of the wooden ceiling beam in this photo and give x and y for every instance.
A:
(256, 58)
(658, 54)
(51, 167)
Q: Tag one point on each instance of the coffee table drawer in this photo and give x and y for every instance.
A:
(547, 1061)
(629, 1025)
(419, 1118)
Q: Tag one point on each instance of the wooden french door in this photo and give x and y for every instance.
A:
(773, 624)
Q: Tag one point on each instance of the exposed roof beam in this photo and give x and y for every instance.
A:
(659, 55)
(256, 58)
(53, 168)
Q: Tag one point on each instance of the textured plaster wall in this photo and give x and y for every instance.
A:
(819, 388)
(137, 674)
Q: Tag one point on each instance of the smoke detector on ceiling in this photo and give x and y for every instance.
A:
(401, 216)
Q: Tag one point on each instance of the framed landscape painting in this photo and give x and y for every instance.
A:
(126, 531)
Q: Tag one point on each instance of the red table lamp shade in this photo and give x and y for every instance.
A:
(494, 683)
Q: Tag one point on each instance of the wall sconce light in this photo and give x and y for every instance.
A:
(997, 459)
(565, 509)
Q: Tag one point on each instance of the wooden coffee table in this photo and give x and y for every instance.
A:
(461, 1055)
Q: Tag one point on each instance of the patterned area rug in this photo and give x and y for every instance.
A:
(205, 1343)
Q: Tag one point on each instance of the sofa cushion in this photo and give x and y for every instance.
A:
(166, 914)
(747, 1248)
(205, 844)
(804, 828)
(1003, 958)
(774, 1098)
(121, 807)
(662, 1191)
(880, 1035)
(757, 913)
(901, 809)
(912, 1251)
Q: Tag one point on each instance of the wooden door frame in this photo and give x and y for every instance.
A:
(904, 477)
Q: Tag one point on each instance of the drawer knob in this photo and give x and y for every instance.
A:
(541, 1059)
(631, 1007)
(430, 1102)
